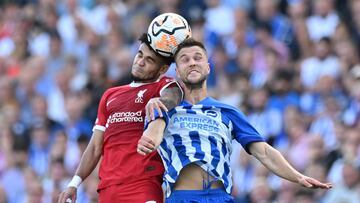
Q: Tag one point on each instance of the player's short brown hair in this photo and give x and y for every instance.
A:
(189, 42)
(166, 60)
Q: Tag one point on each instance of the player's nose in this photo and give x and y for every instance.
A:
(141, 61)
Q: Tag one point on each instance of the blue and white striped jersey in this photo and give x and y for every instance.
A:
(202, 134)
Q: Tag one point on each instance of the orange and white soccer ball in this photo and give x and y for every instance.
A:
(166, 32)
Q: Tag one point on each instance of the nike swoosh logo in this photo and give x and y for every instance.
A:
(111, 100)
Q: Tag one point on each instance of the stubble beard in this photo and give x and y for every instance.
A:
(195, 85)
(151, 77)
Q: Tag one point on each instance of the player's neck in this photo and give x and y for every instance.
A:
(145, 81)
(194, 96)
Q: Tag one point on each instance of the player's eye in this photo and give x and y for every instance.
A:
(197, 57)
(184, 59)
(150, 60)
(139, 54)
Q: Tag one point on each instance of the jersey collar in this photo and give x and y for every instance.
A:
(138, 84)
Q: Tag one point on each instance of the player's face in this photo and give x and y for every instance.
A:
(147, 67)
(192, 65)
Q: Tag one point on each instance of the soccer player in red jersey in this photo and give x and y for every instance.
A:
(125, 175)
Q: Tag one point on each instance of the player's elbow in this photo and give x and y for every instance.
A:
(260, 150)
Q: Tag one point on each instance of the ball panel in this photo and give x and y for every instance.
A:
(166, 32)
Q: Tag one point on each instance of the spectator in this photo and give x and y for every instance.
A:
(314, 67)
(349, 190)
(324, 15)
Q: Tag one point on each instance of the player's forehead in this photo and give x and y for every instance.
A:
(145, 49)
(190, 51)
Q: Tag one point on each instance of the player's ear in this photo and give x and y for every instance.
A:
(208, 68)
(177, 71)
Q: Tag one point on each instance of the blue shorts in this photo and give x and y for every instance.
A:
(199, 196)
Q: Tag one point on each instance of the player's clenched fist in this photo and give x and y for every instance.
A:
(146, 145)
(151, 137)
(69, 193)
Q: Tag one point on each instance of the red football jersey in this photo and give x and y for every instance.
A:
(121, 116)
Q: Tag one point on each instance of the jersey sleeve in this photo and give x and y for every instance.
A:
(167, 82)
(102, 115)
(242, 130)
(165, 117)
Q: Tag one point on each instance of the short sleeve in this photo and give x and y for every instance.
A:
(167, 82)
(102, 115)
(242, 130)
(157, 115)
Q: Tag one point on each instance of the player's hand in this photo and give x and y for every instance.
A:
(154, 104)
(313, 183)
(69, 193)
(146, 145)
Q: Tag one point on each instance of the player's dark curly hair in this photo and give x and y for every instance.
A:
(189, 42)
(167, 60)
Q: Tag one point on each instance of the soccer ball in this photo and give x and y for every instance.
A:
(166, 32)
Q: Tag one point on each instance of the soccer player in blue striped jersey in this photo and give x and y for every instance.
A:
(196, 144)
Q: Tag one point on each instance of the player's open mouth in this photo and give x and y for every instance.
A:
(193, 71)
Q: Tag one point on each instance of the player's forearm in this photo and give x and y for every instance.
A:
(155, 131)
(91, 156)
(274, 161)
(88, 162)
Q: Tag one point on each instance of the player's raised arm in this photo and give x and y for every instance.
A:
(274, 161)
(88, 162)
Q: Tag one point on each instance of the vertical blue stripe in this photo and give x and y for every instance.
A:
(215, 153)
(226, 174)
(223, 147)
(181, 149)
(196, 143)
(170, 168)
(163, 145)
(216, 174)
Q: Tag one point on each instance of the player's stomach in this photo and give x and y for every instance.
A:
(193, 177)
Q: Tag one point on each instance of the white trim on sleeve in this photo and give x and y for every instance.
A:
(99, 127)
(167, 85)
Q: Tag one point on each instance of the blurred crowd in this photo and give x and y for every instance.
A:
(292, 66)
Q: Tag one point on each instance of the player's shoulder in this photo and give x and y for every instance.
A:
(112, 90)
(166, 79)
(216, 103)
(225, 109)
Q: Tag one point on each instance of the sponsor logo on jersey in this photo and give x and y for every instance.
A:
(125, 117)
(140, 96)
(211, 113)
(196, 123)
